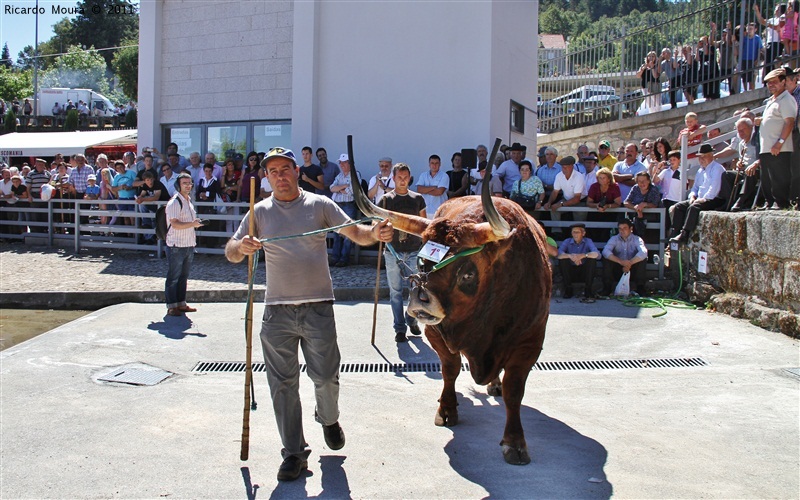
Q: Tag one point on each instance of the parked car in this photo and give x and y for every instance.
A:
(587, 97)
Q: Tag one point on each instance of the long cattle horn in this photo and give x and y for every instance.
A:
(499, 225)
(411, 224)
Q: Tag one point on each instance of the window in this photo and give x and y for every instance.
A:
(266, 137)
(517, 117)
(187, 139)
(224, 139)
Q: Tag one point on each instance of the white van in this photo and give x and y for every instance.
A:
(99, 105)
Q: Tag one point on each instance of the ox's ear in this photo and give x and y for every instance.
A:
(483, 233)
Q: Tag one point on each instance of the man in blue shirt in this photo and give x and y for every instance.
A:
(577, 259)
(624, 253)
(703, 196)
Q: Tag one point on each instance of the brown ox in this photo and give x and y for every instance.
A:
(491, 306)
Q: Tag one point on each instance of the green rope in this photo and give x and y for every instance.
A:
(301, 235)
(662, 302)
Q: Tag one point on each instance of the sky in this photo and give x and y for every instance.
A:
(18, 29)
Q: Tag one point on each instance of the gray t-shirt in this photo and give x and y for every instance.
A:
(297, 268)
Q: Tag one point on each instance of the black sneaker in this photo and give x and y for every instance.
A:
(334, 436)
(414, 327)
(291, 468)
(400, 337)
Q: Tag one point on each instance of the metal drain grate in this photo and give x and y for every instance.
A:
(136, 376)
(436, 367)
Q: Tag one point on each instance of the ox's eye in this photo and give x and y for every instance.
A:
(467, 281)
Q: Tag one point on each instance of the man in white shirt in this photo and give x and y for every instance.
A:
(343, 196)
(168, 179)
(703, 196)
(432, 185)
(182, 221)
(569, 186)
(777, 123)
(381, 183)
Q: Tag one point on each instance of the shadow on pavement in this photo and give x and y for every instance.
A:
(565, 463)
(174, 327)
(333, 479)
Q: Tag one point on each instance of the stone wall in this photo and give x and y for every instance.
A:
(665, 124)
(754, 259)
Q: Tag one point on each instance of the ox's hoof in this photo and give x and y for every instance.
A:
(445, 418)
(494, 390)
(516, 456)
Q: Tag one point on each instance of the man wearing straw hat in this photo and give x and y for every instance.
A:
(299, 302)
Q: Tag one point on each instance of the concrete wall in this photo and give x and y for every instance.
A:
(665, 124)
(754, 258)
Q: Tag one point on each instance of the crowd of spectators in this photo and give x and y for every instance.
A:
(758, 169)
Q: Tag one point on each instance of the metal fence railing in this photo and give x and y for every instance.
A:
(87, 224)
(600, 76)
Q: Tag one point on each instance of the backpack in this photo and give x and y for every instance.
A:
(162, 227)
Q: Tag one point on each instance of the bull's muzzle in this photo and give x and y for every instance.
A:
(422, 304)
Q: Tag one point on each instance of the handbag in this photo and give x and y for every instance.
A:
(220, 205)
(639, 226)
(523, 200)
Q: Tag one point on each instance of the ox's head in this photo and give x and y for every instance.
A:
(475, 234)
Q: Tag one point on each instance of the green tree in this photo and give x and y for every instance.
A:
(25, 58)
(15, 83)
(554, 21)
(77, 68)
(103, 30)
(5, 57)
(126, 67)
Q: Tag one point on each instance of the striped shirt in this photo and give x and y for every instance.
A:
(35, 180)
(183, 210)
(78, 177)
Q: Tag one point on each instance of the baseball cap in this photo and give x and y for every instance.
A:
(91, 177)
(605, 144)
(344, 157)
(278, 152)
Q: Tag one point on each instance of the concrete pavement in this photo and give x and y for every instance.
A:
(730, 429)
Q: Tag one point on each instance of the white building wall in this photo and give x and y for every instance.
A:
(414, 78)
(407, 79)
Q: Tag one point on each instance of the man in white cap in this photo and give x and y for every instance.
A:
(343, 196)
(299, 302)
(777, 123)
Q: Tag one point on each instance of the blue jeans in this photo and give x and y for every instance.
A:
(396, 272)
(342, 245)
(179, 260)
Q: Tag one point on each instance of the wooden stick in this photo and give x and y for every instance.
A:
(377, 285)
(248, 325)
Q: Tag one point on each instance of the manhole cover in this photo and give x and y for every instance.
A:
(134, 374)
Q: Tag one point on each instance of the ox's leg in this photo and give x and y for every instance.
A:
(447, 414)
(515, 450)
(495, 387)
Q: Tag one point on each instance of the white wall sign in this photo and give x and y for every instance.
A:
(179, 133)
(702, 262)
(272, 130)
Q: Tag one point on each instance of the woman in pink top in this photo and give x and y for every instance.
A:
(790, 33)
